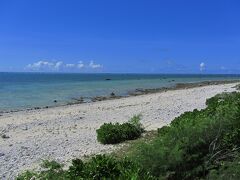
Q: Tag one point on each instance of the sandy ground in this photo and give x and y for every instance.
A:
(62, 133)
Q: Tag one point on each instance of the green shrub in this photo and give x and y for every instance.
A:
(51, 170)
(135, 120)
(76, 169)
(110, 133)
(196, 142)
(99, 167)
(228, 170)
(231, 139)
(27, 175)
(163, 130)
(103, 166)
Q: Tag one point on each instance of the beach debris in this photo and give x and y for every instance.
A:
(112, 94)
(4, 136)
(103, 98)
(24, 147)
(25, 128)
(79, 100)
(237, 87)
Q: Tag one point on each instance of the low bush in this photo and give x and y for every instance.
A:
(110, 133)
(51, 170)
(99, 167)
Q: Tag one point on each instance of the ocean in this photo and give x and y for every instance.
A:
(20, 91)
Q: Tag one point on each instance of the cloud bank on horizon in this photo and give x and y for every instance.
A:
(91, 66)
(55, 66)
(60, 66)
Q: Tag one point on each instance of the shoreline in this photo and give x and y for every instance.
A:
(67, 132)
(136, 92)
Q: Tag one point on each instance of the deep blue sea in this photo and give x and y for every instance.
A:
(28, 90)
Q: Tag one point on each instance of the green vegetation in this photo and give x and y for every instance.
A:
(203, 144)
(110, 133)
(198, 144)
(99, 167)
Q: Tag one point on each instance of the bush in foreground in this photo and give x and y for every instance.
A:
(99, 167)
(110, 133)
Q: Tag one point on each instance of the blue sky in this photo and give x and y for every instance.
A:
(120, 36)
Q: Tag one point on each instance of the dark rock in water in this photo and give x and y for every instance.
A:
(37, 108)
(102, 98)
(55, 101)
(81, 100)
(112, 94)
(46, 107)
(98, 98)
(108, 79)
(77, 100)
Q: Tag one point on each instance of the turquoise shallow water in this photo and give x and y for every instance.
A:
(28, 90)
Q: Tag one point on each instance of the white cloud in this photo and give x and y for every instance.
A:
(94, 66)
(61, 66)
(70, 65)
(202, 66)
(40, 65)
(80, 65)
(58, 65)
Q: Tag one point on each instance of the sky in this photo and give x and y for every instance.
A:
(120, 36)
